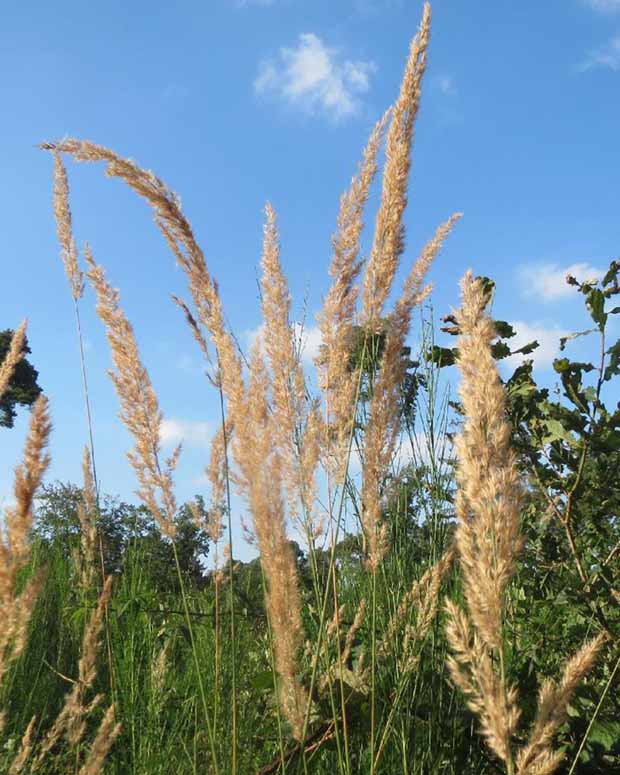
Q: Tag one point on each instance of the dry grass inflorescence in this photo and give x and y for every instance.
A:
(281, 447)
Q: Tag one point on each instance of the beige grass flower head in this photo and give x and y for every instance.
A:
(337, 381)
(16, 608)
(140, 410)
(64, 226)
(296, 422)
(389, 236)
(13, 357)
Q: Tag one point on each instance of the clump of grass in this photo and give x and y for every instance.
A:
(17, 606)
(276, 437)
(353, 699)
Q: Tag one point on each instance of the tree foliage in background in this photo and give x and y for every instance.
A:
(23, 387)
(126, 531)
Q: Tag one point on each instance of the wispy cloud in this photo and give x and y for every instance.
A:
(311, 341)
(191, 432)
(604, 6)
(447, 102)
(315, 78)
(445, 84)
(607, 56)
(548, 337)
(547, 281)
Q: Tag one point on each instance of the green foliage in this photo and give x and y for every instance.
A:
(126, 531)
(366, 353)
(23, 388)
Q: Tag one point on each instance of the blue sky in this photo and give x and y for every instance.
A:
(236, 102)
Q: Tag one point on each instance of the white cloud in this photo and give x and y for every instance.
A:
(605, 6)
(315, 79)
(607, 56)
(408, 450)
(310, 337)
(445, 84)
(548, 281)
(192, 432)
(311, 341)
(252, 335)
(548, 337)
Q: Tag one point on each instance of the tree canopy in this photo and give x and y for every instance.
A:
(23, 387)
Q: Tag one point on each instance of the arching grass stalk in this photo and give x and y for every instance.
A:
(332, 555)
(188, 621)
(318, 603)
(69, 256)
(317, 595)
(343, 704)
(142, 417)
(231, 596)
(373, 677)
(93, 465)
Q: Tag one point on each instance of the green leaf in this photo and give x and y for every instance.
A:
(488, 287)
(613, 367)
(612, 272)
(523, 389)
(527, 348)
(595, 302)
(500, 350)
(504, 329)
(606, 733)
(556, 431)
(263, 681)
(442, 356)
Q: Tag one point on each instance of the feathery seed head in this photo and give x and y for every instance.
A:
(140, 411)
(389, 238)
(64, 227)
(13, 357)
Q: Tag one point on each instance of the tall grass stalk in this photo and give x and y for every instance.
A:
(231, 588)
(75, 277)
